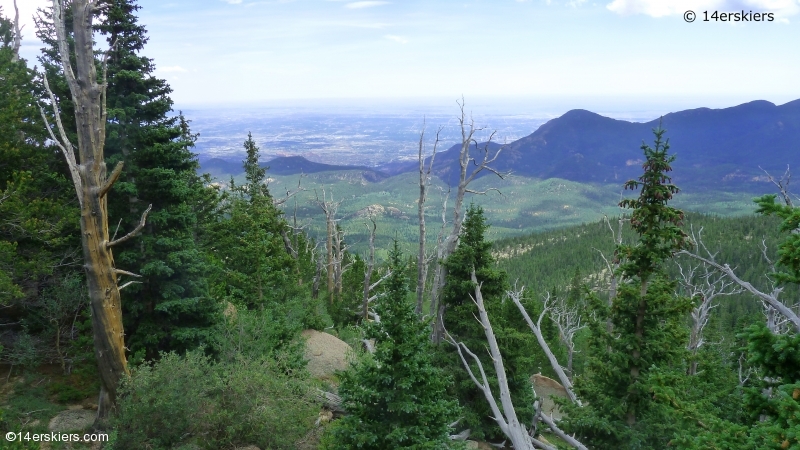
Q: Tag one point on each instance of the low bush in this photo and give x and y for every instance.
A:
(192, 401)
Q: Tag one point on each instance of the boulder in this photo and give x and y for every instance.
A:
(72, 420)
(548, 388)
(325, 354)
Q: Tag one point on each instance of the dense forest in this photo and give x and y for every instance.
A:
(143, 301)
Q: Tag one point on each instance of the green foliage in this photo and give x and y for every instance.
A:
(183, 400)
(638, 342)
(396, 397)
(789, 250)
(517, 344)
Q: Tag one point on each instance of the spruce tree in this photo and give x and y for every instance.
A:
(634, 366)
(517, 344)
(253, 268)
(395, 398)
(171, 309)
(38, 212)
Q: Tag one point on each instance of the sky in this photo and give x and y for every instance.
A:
(525, 55)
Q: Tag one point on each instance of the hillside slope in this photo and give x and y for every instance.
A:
(716, 148)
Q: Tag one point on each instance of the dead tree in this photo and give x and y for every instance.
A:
(424, 182)
(507, 417)
(17, 35)
(92, 185)
(369, 286)
(536, 328)
(468, 131)
(567, 319)
(329, 208)
(703, 283)
(779, 315)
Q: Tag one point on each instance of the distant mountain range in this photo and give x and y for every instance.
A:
(715, 148)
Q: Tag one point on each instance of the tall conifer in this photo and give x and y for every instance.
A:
(171, 309)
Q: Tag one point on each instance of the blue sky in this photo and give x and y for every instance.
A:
(557, 54)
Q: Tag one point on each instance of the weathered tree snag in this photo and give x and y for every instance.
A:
(17, 35)
(92, 185)
(449, 245)
(536, 328)
(424, 181)
(507, 418)
(568, 321)
(329, 208)
(368, 271)
(705, 286)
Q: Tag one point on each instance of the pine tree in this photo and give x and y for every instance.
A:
(396, 398)
(516, 341)
(38, 212)
(254, 270)
(634, 366)
(171, 309)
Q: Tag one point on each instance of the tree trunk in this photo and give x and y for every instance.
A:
(92, 185)
(636, 352)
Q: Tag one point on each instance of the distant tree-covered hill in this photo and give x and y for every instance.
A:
(715, 148)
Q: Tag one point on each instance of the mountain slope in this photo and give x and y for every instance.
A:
(720, 148)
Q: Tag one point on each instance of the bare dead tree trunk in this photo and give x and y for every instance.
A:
(613, 265)
(506, 419)
(705, 286)
(329, 208)
(424, 181)
(467, 140)
(17, 35)
(536, 328)
(568, 321)
(370, 267)
(92, 185)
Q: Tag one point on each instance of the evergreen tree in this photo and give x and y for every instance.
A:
(634, 368)
(38, 212)
(171, 309)
(253, 266)
(516, 342)
(395, 398)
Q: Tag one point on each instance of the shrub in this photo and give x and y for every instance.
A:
(183, 401)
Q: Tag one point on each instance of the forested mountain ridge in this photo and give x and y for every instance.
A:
(717, 148)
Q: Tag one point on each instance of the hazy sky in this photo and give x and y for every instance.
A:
(580, 53)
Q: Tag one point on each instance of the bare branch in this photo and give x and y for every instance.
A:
(782, 184)
(537, 331)
(111, 179)
(135, 230)
(567, 438)
(769, 299)
(66, 147)
(290, 194)
(128, 284)
(125, 272)
(63, 46)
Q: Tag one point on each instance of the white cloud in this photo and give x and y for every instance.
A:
(233, 2)
(366, 4)
(171, 69)
(661, 8)
(398, 39)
